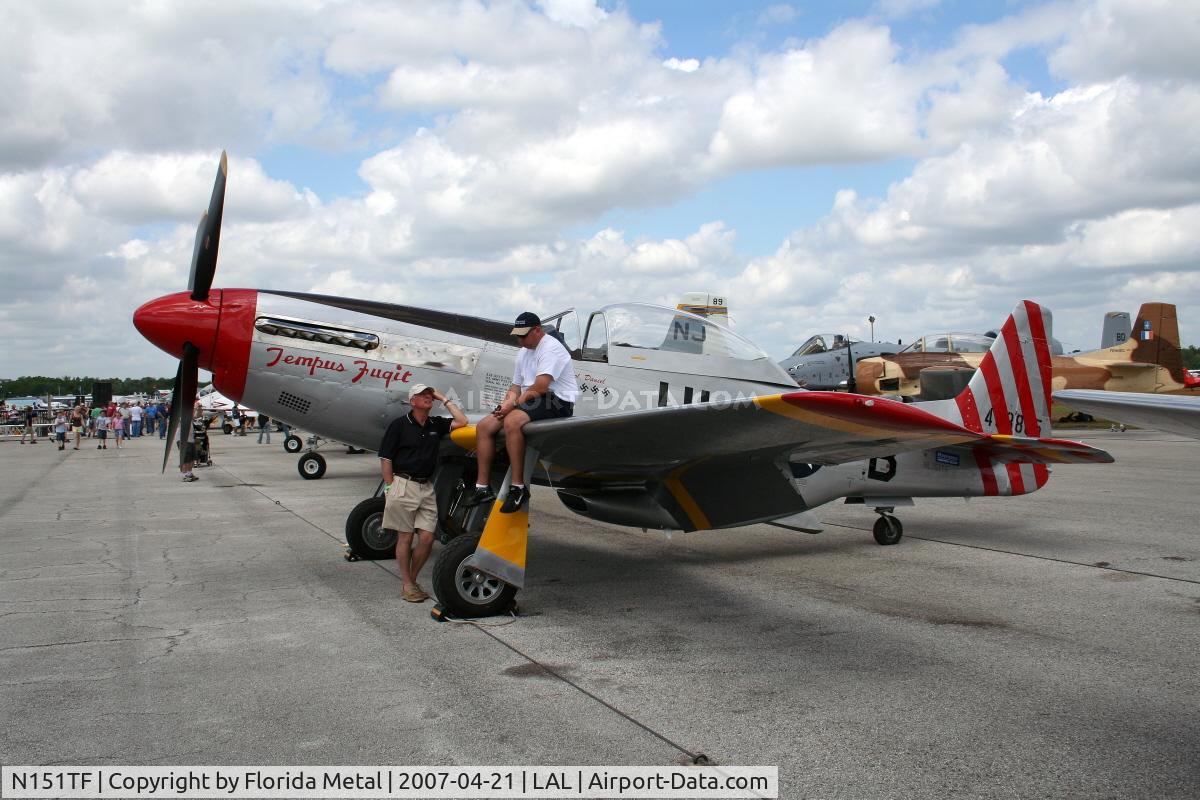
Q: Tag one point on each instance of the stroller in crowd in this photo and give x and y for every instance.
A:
(200, 431)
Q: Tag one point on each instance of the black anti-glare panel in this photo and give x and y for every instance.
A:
(477, 327)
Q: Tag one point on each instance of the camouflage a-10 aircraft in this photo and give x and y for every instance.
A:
(823, 361)
(1149, 361)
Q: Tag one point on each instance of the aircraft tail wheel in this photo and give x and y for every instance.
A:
(293, 444)
(311, 466)
(365, 535)
(467, 592)
(887, 530)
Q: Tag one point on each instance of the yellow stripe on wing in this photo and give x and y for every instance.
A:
(690, 507)
(776, 404)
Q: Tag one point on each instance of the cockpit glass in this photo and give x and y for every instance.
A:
(656, 328)
(814, 345)
(951, 342)
(971, 342)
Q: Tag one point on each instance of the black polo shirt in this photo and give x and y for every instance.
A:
(412, 448)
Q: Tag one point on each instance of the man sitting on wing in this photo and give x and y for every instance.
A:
(543, 387)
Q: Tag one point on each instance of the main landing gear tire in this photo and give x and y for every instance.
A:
(365, 533)
(467, 592)
(311, 466)
(887, 530)
(227, 429)
(293, 444)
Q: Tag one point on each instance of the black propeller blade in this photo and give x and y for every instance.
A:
(208, 238)
(204, 269)
(183, 396)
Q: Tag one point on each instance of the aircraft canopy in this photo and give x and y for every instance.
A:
(951, 343)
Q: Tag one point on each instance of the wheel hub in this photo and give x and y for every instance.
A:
(477, 587)
(374, 535)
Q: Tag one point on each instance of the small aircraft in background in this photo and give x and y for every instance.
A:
(826, 360)
(214, 404)
(707, 305)
(1150, 361)
(680, 423)
(1116, 330)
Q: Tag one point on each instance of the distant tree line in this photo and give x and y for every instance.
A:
(40, 385)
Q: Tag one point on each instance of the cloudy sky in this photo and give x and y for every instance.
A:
(929, 163)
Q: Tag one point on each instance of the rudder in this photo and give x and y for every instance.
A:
(1156, 338)
(1010, 392)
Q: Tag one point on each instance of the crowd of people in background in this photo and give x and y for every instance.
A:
(114, 421)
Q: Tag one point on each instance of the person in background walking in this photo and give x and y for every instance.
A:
(102, 425)
(60, 429)
(96, 413)
(127, 419)
(77, 414)
(135, 417)
(118, 426)
(264, 427)
(31, 416)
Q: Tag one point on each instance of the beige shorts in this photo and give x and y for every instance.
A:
(410, 506)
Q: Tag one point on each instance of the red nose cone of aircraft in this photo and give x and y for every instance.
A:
(171, 320)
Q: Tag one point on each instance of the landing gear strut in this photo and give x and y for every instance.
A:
(888, 529)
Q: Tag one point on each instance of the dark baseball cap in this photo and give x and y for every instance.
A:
(525, 322)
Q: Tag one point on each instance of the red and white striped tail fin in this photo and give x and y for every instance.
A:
(1008, 402)
(1010, 392)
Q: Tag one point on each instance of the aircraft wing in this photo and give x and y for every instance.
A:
(813, 427)
(1164, 412)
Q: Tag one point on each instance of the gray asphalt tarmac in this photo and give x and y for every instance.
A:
(1045, 646)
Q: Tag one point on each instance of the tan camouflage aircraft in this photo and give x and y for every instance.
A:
(1149, 361)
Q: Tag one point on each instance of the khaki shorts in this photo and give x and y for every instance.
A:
(410, 506)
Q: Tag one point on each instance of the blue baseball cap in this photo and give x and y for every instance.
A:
(525, 322)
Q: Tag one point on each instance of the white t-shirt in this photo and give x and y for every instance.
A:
(135, 413)
(548, 358)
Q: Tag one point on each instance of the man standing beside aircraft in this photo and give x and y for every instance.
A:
(407, 458)
(543, 387)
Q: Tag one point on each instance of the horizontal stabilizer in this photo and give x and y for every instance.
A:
(1014, 449)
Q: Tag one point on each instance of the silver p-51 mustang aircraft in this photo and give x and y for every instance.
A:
(680, 424)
